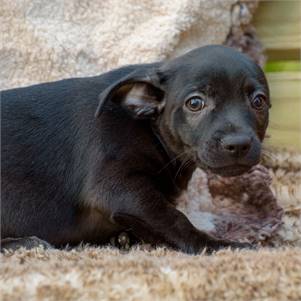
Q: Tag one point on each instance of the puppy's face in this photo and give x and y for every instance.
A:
(216, 109)
(209, 105)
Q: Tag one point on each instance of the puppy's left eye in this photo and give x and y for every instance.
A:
(195, 104)
(258, 101)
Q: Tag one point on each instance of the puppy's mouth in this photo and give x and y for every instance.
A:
(230, 171)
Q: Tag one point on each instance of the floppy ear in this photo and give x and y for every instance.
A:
(139, 94)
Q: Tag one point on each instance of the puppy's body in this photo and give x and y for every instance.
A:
(69, 177)
(52, 150)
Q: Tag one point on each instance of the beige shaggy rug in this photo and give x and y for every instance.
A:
(45, 40)
(103, 274)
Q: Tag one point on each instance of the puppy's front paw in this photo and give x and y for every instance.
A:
(225, 244)
(242, 245)
(24, 242)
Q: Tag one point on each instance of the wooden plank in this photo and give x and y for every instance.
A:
(282, 66)
(285, 84)
(285, 115)
(284, 138)
(278, 24)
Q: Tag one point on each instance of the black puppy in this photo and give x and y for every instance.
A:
(86, 158)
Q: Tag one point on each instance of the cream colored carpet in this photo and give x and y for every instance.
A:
(103, 274)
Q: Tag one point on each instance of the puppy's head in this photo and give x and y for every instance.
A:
(210, 104)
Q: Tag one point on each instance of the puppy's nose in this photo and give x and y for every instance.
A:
(236, 145)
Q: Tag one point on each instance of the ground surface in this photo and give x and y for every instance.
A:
(105, 274)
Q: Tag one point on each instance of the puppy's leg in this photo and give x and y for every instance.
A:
(138, 206)
(24, 242)
(173, 234)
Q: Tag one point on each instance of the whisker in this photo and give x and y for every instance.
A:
(172, 160)
(179, 169)
(182, 167)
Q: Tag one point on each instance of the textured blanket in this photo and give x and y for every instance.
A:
(263, 205)
(49, 40)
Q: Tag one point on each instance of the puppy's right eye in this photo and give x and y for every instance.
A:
(195, 104)
(258, 101)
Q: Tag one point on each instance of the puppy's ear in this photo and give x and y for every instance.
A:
(138, 93)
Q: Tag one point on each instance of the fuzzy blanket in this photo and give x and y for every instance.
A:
(263, 205)
(50, 40)
(239, 208)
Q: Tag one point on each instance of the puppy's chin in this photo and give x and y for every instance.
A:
(230, 171)
(225, 171)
